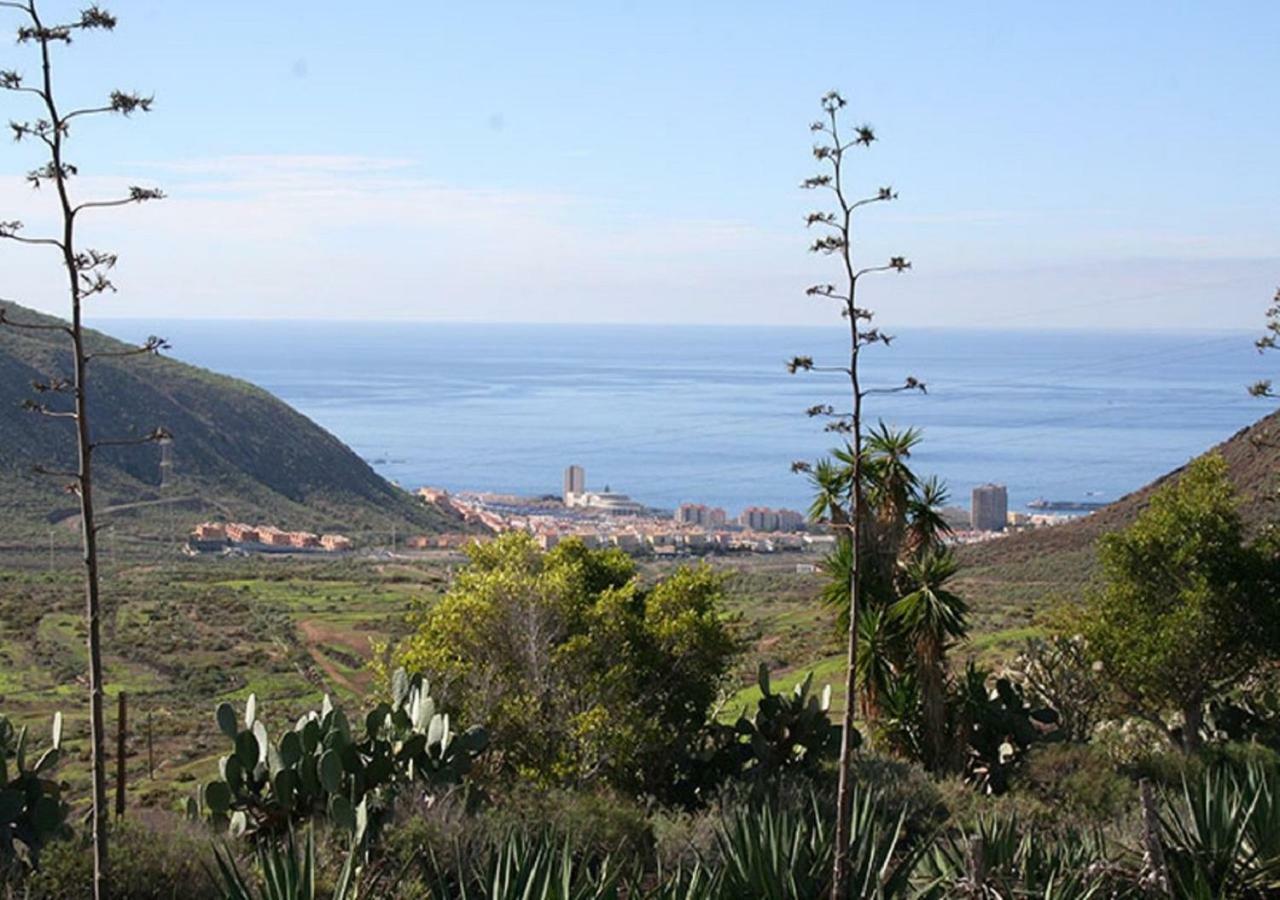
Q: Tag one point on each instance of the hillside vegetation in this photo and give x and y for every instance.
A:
(237, 451)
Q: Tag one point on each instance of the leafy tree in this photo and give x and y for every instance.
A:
(1188, 606)
(579, 671)
(87, 271)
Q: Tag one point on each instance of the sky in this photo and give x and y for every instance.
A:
(1083, 165)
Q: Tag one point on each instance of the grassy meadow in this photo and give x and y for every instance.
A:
(185, 634)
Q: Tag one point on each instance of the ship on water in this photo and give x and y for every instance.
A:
(1065, 505)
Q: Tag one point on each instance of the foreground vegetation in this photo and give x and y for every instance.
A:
(390, 789)
(1215, 820)
(185, 634)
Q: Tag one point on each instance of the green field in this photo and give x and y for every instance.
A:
(189, 633)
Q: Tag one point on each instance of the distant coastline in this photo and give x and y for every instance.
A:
(706, 413)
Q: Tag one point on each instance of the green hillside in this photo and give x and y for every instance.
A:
(237, 451)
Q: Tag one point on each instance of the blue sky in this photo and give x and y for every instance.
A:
(1060, 165)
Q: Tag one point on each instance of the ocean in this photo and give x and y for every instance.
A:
(709, 414)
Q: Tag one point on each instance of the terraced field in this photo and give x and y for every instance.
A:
(185, 635)
(201, 632)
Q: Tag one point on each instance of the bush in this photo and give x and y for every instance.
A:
(428, 840)
(1079, 782)
(902, 786)
(582, 674)
(154, 857)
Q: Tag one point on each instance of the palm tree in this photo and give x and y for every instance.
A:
(890, 485)
(890, 478)
(902, 530)
(877, 668)
(926, 528)
(831, 482)
(931, 617)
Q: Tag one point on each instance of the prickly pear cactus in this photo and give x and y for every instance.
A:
(787, 731)
(1000, 725)
(31, 808)
(322, 768)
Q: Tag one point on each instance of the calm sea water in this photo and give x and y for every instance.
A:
(709, 414)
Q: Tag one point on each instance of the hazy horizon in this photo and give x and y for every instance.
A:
(1247, 334)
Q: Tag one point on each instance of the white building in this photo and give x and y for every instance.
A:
(605, 502)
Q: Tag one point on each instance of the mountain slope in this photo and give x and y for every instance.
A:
(237, 451)
(1011, 579)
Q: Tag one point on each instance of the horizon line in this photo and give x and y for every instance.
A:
(326, 320)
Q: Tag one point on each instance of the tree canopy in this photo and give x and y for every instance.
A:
(1188, 604)
(580, 672)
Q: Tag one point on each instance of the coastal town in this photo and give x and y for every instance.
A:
(607, 518)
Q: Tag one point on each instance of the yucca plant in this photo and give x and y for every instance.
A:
(999, 858)
(525, 866)
(1263, 784)
(1221, 834)
(282, 872)
(536, 869)
(786, 854)
(774, 854)
(696, 883)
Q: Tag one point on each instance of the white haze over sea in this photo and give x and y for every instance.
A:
(709, 414)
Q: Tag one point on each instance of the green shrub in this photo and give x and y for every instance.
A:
(161, 857)
(582, 673)
(1241, 755)
(1079, 782)
(903, 786)
(424, 841)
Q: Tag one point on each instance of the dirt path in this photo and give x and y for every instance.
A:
(316, 634)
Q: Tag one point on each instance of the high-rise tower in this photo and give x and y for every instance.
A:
(575, 482)
(990, 507)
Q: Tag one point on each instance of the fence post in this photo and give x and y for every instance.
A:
(122, 726)
(977, 864)
(1152, 850)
